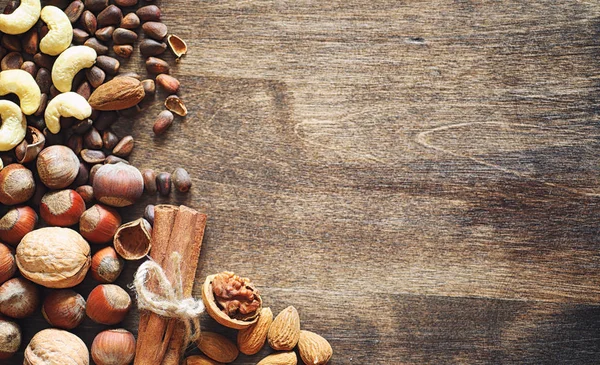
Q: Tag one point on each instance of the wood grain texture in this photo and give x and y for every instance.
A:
(419, 178)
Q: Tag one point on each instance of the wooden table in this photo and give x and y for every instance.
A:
(419, 178)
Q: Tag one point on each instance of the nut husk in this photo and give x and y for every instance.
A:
(218, 315)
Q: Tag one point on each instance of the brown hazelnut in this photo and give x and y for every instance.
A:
(86, 192)
(54, 346)
(16, 184)
(57, 166)
(113, 347)
(10, 338)
(99, 223)
(64, 309)
(108, 304)
(106, 265)
(8, 266)
(16, 223)
(62, 208)
(19, 298)
(118, 185)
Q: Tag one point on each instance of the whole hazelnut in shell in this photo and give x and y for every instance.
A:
(99, 223)
(118, 185)
(8, 266)
(54, 257)
(16, 184)
(19, 298)
(62, 207)
(57, 166)
(64, 309)
(16, 223)
(53, 346)
(10, 338)
(113, 347)
(108, 304)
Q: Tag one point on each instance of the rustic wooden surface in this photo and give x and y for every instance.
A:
(419, 178)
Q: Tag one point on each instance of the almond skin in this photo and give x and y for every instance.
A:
(314, 349)
(252, 339)
(217, 347)
(117, 94)
(281, 358)
(285, 330)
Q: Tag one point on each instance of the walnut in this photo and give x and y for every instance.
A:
(52, 346)
(236, 296)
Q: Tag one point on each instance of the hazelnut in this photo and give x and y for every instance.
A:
(99, 223)
(8, 266)
(57, 166)
(86, 192)
(16, 184)
(19, 298)
(118, 185)
(108, 304)
(53, 257)
(113, 347)
(64, 309)
(10, 338)
(16, 223)
(106, 265)
(53, 346)
(62, 208)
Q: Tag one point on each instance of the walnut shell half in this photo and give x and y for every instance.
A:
(217, 312)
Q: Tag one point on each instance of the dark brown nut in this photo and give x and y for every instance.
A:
(43, 60)
(181, 180)
(105, 120)
(88, 21)
(149, 87)
(43, 103)
(86, 192)
(109, 139)
(80, 36)
(106, 264)
(82, 126)
(118, 185)
(74, 11)
(149, 13)
(112, 159)
(30, 67)
(95, 76)
(105, 34)
(149, 177)
(44, 80)
(85, 90)
(11, 61)
(111, 15)
(149, 214)
(150, 47)
(61, 4)
(75, 143)
(162, 122)
(110, 65)
(67, 122)
(92, 139)
(124, 147)
(126, 3)
(124, 36)
(53, 92)
(19, 298)
(97, 46)
(176, 105)
(157, 66)
(43, 31)
(3, 52)
(16, 184)
(163, 183)
(82, 176)
(96, 5)
(11, 42)
(168, 83)
(155, 30)
(11, 6)
(32, 145)
(31, 41)
(123, 50)
(130, 21)
(92, 156)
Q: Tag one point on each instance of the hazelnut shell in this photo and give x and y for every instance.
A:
(16, 223)
(217, 314)
(108, 304)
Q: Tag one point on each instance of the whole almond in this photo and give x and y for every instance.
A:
(250, 340)
(217, 347)
(285, 330)
(200, 360)
(280, 358)
(117, 94)
(314, 349)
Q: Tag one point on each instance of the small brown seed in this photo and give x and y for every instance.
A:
(11, 42)
(11, 61)
(43, 60)
(126, 3)
(10, 7)
(149, 13)
(150, 47)
(111, 15)
(86, 192)
(124, 36)
(176, 105)
(112, 159)
(88, 21)
(96, 5)
(75, 143)
(109, 139)
(93, 171)
(92, 156)
(163, 122)
(123, 50)
(149, 181)
(105, 34)
(30, 67)
(31, 41)
(80, 36)
(108, 64)
(105, 119)
(98, 46)
(74, 11)
(95, 76)
(43, 104)
(43, 31)
(61, 4)
(82, 175)
(149, 214)
(163, 183)
(82, 126)
(149, 87)
(177, 45)
(181, 180)
(130, 21)
(155, 30)
(168, 83)
(92, 139)
(124, 147)
(43, 79)
(53, 92)
(67, 122)
(84, 90)
(157, 66)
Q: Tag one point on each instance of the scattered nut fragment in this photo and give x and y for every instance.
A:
(177, 45)
(69, 63)
(31, 146)
(22, 84)
(53, 346)
(68, 104)
(176, 105)
(60, 31)
(22, 19)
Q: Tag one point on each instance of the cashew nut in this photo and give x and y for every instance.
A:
(22, 19)
(60, 31)
(24, 86)
(69, 63)
(13, 126)
(67, 104)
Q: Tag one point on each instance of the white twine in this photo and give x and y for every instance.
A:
(168, 301)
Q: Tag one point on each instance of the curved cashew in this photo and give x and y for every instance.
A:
(22, 19)
(69, 63)
(13, 126)
(67, 104)
(60, 31)
(24, 86)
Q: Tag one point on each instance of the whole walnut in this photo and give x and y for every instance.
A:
(52, 346)
(54, 257)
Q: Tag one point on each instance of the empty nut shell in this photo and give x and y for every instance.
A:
(176, 105)
(177, 45)
(133, 240)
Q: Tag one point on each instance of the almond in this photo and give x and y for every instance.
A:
(200, 360)
(285, 330)
(252, 339)
(314, 349)
(217, 347)
(281, 358)
(117, 94)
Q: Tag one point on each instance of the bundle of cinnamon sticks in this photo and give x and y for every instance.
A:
(176, 229)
